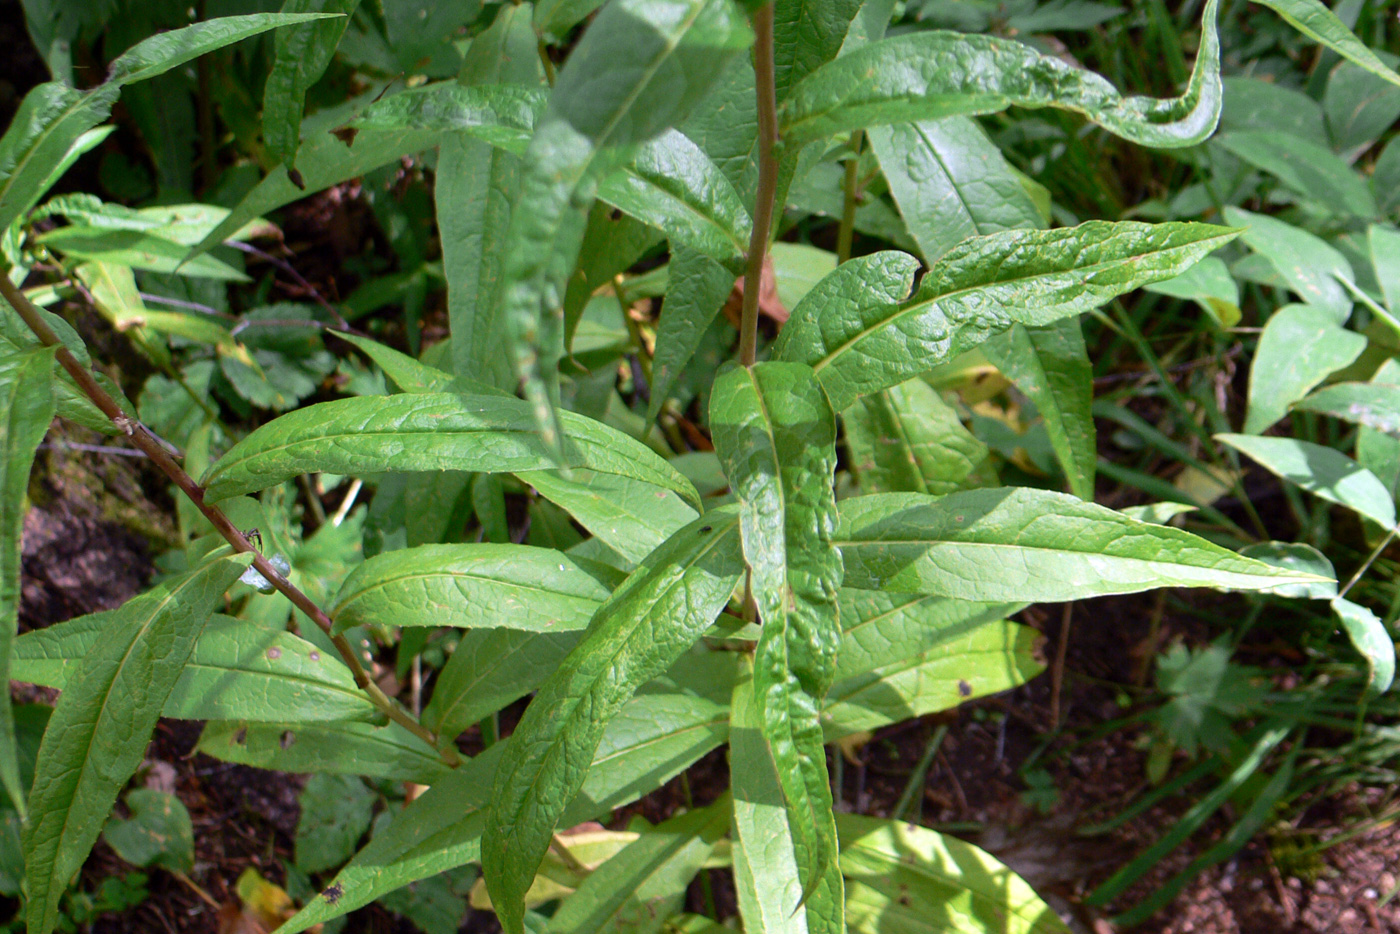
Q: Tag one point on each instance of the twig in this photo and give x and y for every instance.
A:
(1057, 672)
(143, 439)
(340, 323)
(765, 88)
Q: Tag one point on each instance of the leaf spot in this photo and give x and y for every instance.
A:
(964, 689)
(274, 652)
(288, 737)
(240, 736)
(333, 893)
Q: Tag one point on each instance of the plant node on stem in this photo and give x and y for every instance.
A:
(765, 88)
(152, 448)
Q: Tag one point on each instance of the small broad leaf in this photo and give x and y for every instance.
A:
(1208, 284)
(1309, 265)
(336, 810)
(656, 614)
(1322, 471)
(1310, 169)
(1314, 20)
(1370, 637)
(99, 730)
(1374, 405)
(1301, 345)
(238, 670)
(427, 431)
(906, 439)
(775, 435)
(27, 404)
(927, 75)
(901, 876)
(387, 751)
(302, 54)
(648, 743)
(860, 335)
(481, 586)
(158, 833)
(1043, 546)
(1298, 557)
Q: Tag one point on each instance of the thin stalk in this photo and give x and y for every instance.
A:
(144, 440)
(1370, 560)
(850, 195)
(765, 84)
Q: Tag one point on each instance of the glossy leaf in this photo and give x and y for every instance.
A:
(1301, 345)
(98, 732)
(637, 890)
(238, 670)
(503, 115)
(631, 517)
(906, 439)
(928, 75)
(1375, 405)
(646, 624)
(1051, 366)
(806, 35)
(301, 55)
(696, 289)
(1314, 20)
(648, 743)
(1370, 637)
(950, 182)
(474, 587)
(902, 877)
(1021, 544)
(859, 334)
(26, 408)
(427, 431)
(1322, 471)
(1310, 169)
(1309, 265)
(775, 435)
(389, 751)
(636, 72)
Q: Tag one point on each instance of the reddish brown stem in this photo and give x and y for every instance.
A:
(766, 88)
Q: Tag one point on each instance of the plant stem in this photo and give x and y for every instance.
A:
(1370, 560)
(846, 233)
(147, 443)
(766, 90)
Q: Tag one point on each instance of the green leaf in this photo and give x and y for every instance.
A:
(1210, 285)
(696, 289)
(336, 810)
(1310, 169)
(158, 832)
(137, 249)
(950, 182)
(1301, 345)
(1051, 366)
(426, 431)
(901, 877)
(164, 51)
(640, 888)
(859, 334)
(1370, 637)
(631, 517)
(302, 54)
(1384, 244)
(928, 75)
(554, 18)
(806, 35)
(775, 435)
(27, 404)
(656, 614)
(1044, 547)
(767, 877)
(1314, 20)
(99, 730)
(1299, 557)
(636, 72)
(474, 587)
(673, 186)
(238, 670)
(1360, 107)
(1309, 265)
(389, 751)
(1322, 471)
(503, 115)
(489, 669)
(1374, 405)
(907, 439)
(648, 743)
(411, 375)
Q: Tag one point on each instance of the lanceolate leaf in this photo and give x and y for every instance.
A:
(775, 435)
(1322, 471)
(655, 615)
(906, 439)
(926, 75)
(26, 408)
(649, 742)
(806, 35)
(427, 431)
(696, 289)
(637, 71)
(1374, 405)
(631, 517)
(1310, 265)
(99, 730)
(859, 335)
(1028, 545)
(503, 115)
(238, 670)
(1051, 366)
(475, 587)
(303, 52)
(414, 376)
(1314, 20)
(387, 751)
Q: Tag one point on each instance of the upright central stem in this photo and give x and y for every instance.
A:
(765, 84)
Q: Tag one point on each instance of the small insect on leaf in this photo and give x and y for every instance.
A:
(254, 538)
